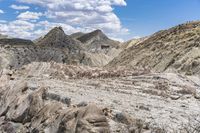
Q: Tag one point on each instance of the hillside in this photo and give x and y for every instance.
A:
(77, 35)
(3, 36)
(58, 39)
(176, 49)
(99, 50)
(132, 42)
(15, 42)
(54, 46)
(97, 41)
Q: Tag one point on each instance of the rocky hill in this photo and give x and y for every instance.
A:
(99, 49)
(97, 41)
(77, 35)
(176, 49)
(15, 42)
(58, 39)
(132, 42)
(54, 46)
(3, 36)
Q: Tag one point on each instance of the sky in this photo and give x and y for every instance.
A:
(119, 19)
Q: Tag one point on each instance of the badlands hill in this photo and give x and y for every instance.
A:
(58, 39)
(77, 35)
(15, 42)
(55, 46)
(3, 36)
(50, 86)
(176, 49)
(97, 41)
(99, 49)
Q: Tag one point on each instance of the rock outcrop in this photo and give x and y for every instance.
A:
(25, 110)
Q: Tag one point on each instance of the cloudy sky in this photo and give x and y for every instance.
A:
(120, 19)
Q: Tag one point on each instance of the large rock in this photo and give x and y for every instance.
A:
(23, 109)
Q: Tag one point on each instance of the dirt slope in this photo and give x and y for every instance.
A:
(97, 41)
(58, 39)
(175, 49)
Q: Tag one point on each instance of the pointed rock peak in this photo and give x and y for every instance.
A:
(58, 39)
(94, 35)
(57, 29)
(98, 32)
(56, 33)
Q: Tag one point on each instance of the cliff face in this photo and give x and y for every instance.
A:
(176, 49)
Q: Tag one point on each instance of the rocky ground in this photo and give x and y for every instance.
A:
(47, 100)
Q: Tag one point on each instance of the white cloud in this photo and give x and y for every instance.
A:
(29, 15)
(17, 28)
(119, 2)
(73, 16)
(85, 15)
(136, 37)
(3, 21)
(1, 11)
(31, 30)
(117, 39)
(19, 7)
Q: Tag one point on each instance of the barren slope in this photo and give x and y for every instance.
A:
(97, 41)
(176, 49)
(58, 39)
(99, 49)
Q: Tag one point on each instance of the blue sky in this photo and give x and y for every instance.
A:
(119, 19)
(144, 17)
